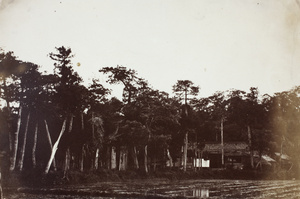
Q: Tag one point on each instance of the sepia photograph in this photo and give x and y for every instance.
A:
(107, 99)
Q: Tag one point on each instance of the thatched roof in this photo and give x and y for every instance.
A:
(232, 148)
(283, 156)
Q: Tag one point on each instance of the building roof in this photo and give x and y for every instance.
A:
(232, 148)
(267, 159)
(283, 156)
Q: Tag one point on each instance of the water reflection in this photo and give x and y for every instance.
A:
(196, 192)
(201, 192)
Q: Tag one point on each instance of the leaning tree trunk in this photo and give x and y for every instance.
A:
(21, 160)
(16, 142)
(50, 143)
(55, 146)
(34, 146)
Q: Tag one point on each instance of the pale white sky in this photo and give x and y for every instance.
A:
(217, 44)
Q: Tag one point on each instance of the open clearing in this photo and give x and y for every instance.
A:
(165, 189)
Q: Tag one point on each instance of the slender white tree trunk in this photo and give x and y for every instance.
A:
(21, 160)
(34, 146)
(185, 148)
(50, 143)
(55, 146)
(16, 142)
(96, 159)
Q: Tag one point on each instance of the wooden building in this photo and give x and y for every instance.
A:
(236, 155)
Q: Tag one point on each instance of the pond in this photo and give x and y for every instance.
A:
(165, 189)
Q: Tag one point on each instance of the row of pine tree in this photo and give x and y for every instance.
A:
(53, 122)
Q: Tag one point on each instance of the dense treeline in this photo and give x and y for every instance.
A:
(52, 122)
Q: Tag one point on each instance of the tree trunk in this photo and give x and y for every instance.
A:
(10, 137)
(222, 141)
(154, 163)
(67, 163)
(9, 116)
(123, 159)
(34, 146)
(118, 157)
(185, 101)
(113, 158)
(82, 158)
(50, 142)
(21, 160)
(185, 149)
(68, 155)
(81, 161)
(16, 142)
(135, 160)
(250, 146)
(93, 126)
(1, 193)
(96, 159)
(194, 159)
(71, 124)
(55, 146)
(170, 158)
(200, 157)
(146, 158)
(108, 157)
(82, 122)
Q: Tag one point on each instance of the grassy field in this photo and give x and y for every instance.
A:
(165, 189)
